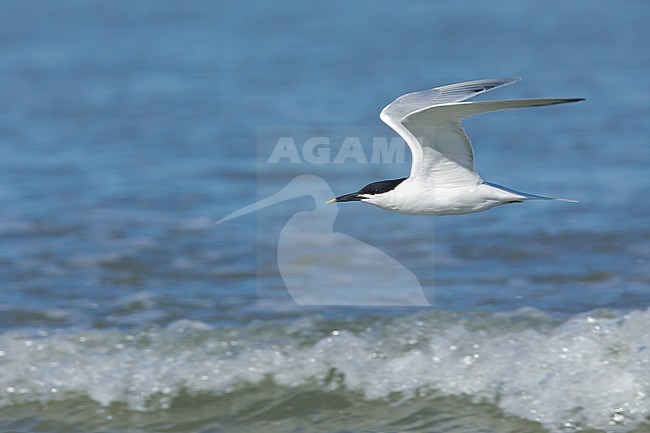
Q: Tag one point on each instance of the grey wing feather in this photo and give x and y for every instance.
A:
(461, 110)
(411, 102)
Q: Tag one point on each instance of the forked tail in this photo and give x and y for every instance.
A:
(526, 196)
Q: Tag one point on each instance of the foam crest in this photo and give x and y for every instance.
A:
(592, 371)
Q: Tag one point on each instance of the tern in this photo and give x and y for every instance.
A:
(443, 178)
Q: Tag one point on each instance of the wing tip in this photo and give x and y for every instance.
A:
(507, 80)
(503, 81)
(485, 84)
(568, 100)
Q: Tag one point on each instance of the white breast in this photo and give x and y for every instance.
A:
(415, 198)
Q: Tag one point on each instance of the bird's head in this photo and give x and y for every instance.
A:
(369, 191)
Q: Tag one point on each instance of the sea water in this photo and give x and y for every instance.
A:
(128, 129)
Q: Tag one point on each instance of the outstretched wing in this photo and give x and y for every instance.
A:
(447, 156)
(394, 112)
(406, 104)
(429, 122)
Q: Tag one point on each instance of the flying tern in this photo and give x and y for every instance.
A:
(443, 178)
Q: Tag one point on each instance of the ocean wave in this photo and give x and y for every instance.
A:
(590, 371)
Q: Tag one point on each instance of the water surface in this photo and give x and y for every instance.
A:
(127, 130)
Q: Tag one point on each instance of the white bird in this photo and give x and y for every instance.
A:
(443, 179)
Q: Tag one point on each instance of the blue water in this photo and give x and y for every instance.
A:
(127, 129)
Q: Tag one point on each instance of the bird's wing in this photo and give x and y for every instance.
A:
(394, 112)
(446, 153)
(430, 125)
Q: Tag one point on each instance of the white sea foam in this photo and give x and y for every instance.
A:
(592, 371)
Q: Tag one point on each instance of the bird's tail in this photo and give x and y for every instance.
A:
(527, 196)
